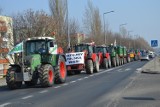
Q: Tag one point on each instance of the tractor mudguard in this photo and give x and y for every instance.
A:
(57, 57)
(16, 65)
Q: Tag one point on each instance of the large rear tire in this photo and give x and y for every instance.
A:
(61, 71)
(114, 62)
(105, 63)
(10, 80)
(109, 63)
(89, 66)
(46, 75)
(96, 65)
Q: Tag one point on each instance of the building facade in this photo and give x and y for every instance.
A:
(6, 41)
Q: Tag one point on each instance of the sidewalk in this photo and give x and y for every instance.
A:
(153, 66)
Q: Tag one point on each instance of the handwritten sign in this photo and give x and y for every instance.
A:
(74, 58)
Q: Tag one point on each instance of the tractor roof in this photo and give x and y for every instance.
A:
(40, 38)
(101, 46)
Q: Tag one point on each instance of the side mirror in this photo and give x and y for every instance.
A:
(51, 44)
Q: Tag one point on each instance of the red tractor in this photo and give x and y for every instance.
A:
(90, 59)
(104, 57)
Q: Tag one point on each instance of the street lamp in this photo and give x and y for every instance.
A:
(121, 26)
(104, 25)
(129, 36)
(68, 34)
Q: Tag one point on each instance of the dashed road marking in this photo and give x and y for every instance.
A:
(127, 69)
(44, 91)
(5, 104)
(80, 79)
(24, 98)
(57, 87)
(73, 82)
(86, 77)
(91, 75)
(65, 84)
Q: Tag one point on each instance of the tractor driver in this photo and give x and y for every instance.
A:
(42, 49)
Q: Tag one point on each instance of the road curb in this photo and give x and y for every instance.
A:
(148, 67)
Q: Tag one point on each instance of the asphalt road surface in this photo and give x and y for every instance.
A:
(122, 86)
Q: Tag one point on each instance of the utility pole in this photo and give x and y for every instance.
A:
(105, 24)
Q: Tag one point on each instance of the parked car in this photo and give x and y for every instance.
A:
(145, 57)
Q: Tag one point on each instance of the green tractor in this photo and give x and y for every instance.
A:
(126, 58)
(120, 53)
(46, 64)
(113, 54)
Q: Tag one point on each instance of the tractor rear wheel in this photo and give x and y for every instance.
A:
(128, 59)
(61, 71)
(11, 83)
(114, 62)
(89, 66)
(105, 63)
(117, 61)
(109, 63)
(46, 75)
(96, 65)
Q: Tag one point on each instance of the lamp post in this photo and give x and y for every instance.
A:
(105, 23)
(121, 26)
(129, 36)
(68, 35)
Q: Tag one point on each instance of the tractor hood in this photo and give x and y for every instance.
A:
(32, 61)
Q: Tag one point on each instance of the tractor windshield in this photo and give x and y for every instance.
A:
(81, 48)
(35, 47)
(100, 49)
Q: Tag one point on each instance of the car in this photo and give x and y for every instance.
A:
(145, 57)
(151, 54)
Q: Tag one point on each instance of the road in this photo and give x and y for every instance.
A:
(123, 86)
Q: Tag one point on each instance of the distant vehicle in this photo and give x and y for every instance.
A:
(145, 57)
(151, 54)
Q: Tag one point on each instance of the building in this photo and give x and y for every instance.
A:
(6, 41)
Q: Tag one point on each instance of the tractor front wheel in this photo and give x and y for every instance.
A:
(11, 83)
(105, 63)
(46, 75)
(61, 71)
(89, 66)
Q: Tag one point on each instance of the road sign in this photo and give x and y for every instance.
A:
(154, 43)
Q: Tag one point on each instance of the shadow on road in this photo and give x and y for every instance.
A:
(138, 98)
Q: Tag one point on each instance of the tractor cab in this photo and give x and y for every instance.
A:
(40, 45)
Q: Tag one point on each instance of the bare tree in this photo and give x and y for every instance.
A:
(58, 10)
(92, 22)
(32, 24)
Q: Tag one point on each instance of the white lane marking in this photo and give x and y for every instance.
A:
(64, 84)
(91, 75)
(27, 97)
(5, 104)
(119, 70)
(139, 69)
(44, 91)
(57, 87)
(73, 82)
(127, 69)
(80, 79)
(86, 77)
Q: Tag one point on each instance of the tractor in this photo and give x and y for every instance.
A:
(137, 54)
(113, 54)
(41, 62)
(91, 61)
(132, 55)
(126, 58)
(104, 57)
